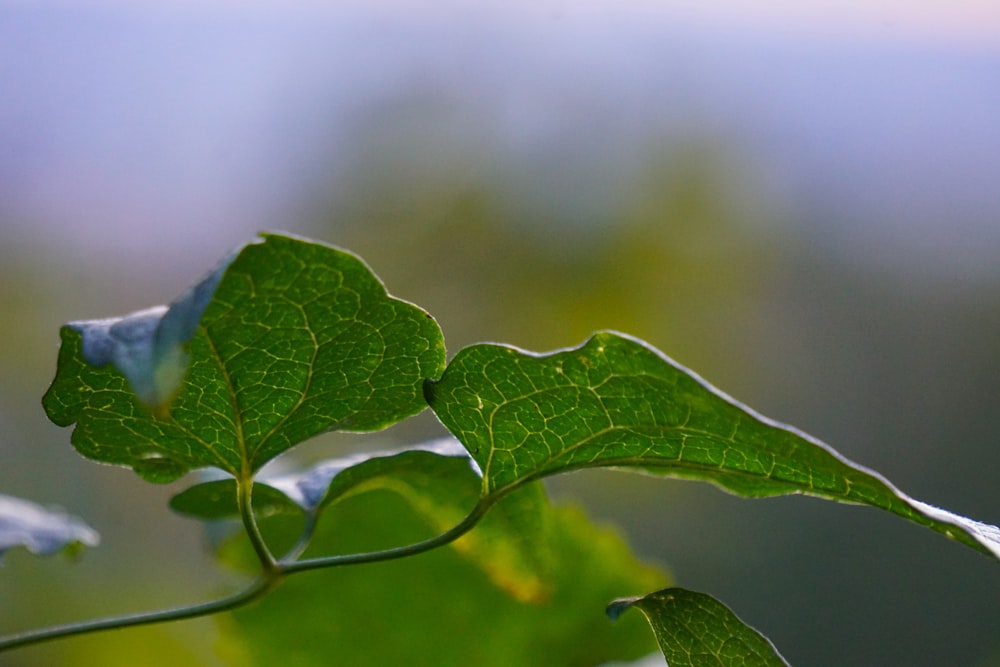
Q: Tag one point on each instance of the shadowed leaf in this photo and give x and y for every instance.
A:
(696, 630)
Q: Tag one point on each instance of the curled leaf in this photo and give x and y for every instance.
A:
(147, 346)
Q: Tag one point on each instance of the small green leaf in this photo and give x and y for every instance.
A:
(322, 483)
(615, 401)
(40, 530)
(215, 500)
(696, 630)
(297, 338)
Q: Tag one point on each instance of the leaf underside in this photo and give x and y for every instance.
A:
(696, 630)
(299, 338)
(614, 401)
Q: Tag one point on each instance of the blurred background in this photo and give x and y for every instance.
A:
(799, 201)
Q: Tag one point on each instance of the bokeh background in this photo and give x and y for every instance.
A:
(801, 201)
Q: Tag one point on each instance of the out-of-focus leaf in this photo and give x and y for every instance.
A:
(215, 500)
(615, 401)
(41, 530)
(440, 608)
(696, 630)
(298, 338)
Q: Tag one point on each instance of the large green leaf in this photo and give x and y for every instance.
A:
(696, 630)
(441, 608)
(615, 401)
(297, 338)
(41, 530)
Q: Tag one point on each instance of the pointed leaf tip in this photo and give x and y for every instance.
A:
(696, 630)
(615, 401)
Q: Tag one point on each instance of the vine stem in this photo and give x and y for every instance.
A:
(452, 534)
(244, 499)
(257, 589)
(273, 572)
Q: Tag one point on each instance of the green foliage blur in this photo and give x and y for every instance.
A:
(896, 374)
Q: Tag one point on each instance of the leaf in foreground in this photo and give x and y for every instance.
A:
(696, 630)
(617, 402)
(297, 338)
(441, 608)
(41, 530)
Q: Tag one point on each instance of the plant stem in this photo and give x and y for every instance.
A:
(464, 526)
(244, 498)
(297, 549)
(273, 573)
(257, 589)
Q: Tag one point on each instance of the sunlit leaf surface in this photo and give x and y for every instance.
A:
(298, 338)
(615, 401)
(696, 630)
(41, 530)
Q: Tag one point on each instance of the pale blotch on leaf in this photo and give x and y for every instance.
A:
(147, 346)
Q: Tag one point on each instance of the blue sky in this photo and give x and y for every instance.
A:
(137, 126)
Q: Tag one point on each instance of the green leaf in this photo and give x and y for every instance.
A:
(298, 338)
(41, 530)
(322, 483)
(615, 401)
(434, 479)
(215, 500)
(696, 630)
(441, 608)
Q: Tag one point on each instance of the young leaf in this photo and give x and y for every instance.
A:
(615, 401)
(322, 483)
(40, 530)
(298, 338)
(696, 630)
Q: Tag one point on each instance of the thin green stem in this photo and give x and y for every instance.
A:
(257, 589)
(273, 573)
(302, 543)
(244, 498)
(467, 524)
